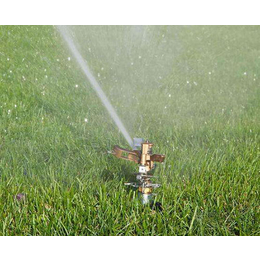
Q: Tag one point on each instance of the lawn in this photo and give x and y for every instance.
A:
(194, 91)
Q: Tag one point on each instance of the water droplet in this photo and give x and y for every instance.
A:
(68, 58)
(76, 86)
(86, 120)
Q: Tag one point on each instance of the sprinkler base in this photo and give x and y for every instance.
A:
(146, 199)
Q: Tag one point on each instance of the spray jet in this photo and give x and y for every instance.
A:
(142, 151)
(142, 155)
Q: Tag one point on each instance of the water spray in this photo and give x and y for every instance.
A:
(96, 86)
(142, 151)
(141, 154)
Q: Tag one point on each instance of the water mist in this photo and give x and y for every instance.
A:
(96, 86)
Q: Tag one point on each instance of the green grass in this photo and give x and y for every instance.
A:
(209, 130)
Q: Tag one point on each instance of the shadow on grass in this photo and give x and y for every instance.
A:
(125, 174)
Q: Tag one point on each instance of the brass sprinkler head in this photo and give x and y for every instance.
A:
(142, 155)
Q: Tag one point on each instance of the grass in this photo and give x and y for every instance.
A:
(199, 103)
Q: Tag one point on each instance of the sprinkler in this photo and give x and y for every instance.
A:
(142, 155)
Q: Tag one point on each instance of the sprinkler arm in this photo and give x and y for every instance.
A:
(125, 154)
(140, 157)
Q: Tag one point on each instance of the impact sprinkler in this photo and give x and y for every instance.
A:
(142, 155)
